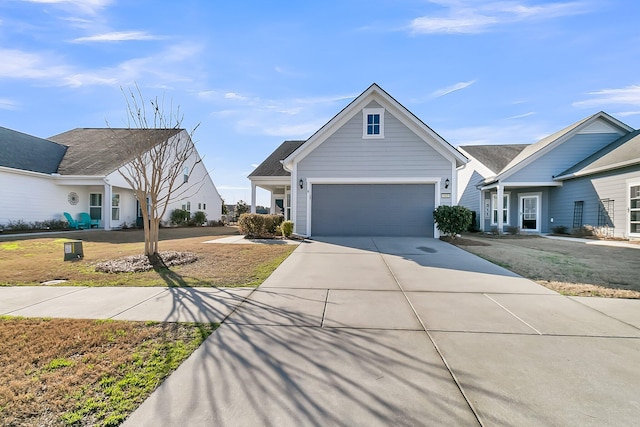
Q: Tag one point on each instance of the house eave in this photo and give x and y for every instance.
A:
(587, 172)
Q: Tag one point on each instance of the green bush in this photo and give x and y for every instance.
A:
(287, 228)
(198, 218)
(259, 225)
(452, 220)
(179, 217)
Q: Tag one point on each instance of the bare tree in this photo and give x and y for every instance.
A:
(158, 158)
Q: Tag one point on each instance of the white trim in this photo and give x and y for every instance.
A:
(586, 172)
(538, 196)
(372, 111)
(633, 182)
(371, 180)
(495, 208)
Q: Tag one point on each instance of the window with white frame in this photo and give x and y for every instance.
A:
(373, 123)
(95, 205)
(186, 174)
(494, 209)
(115, 207)
(634, 209)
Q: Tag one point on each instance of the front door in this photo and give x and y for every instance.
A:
(530, 213)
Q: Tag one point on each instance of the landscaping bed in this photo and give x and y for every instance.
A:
(570, 268)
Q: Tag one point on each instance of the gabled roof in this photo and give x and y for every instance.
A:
(375, 92)
(96, 152)
(533, 151)
(272, 165)
(21, 151)
(620, 153)
(494, 157)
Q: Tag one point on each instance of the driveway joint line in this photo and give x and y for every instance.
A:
(139, 303)
(48, 299)
(602, 312)
(324, 309)
(433, 342)
(513, 314)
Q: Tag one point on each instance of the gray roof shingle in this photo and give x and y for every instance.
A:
(25, 152)
(100, 151)
(272, 165)
(495, 157)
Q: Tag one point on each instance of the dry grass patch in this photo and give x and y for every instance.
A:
(567, 267)
(31, 261)
(59, 372)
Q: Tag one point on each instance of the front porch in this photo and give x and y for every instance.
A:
(280, 195)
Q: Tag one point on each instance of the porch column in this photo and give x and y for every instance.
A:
(253, 198)
(482, 218)
(106, 213)
(500, 208)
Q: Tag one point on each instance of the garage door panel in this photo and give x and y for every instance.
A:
(372, 209)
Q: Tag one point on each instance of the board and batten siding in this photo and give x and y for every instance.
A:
(591, 190)
(562, 157)
(345, 154)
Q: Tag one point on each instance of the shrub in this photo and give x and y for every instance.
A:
(259, 225)
(513, 229)
(198, 218)
(287, 228)
(452, 220)
(584, 231)
(560, 229)
(179, 217)
(474, 227)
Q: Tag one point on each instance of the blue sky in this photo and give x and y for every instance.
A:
(255, 73)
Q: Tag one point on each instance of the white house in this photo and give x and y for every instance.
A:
(373, 169)
(77, 171)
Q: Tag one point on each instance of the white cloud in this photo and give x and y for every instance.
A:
(254, 165)
(497, 134)
(233, 95)
(84, 6)
(7, 104)
(470, 17)
(117, 36)
(453, 88)
(520, 116)
(626, 113)
(165, 66)
(629, 95)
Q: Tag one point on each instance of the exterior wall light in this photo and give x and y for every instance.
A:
(301, 184)
(446, 183)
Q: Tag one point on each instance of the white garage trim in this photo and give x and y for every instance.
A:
(371, 180)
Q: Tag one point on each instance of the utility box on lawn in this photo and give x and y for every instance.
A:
(73, 250)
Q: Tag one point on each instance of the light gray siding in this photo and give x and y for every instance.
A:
(591, 190)
(470, 197)
(345, 154)
(562, 157)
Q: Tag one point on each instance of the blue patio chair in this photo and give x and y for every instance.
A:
(86, 219)
(72, 222)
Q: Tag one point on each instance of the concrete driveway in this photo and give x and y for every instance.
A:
(403, 331)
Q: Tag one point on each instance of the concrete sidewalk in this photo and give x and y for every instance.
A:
(386, 331)
(160, 304)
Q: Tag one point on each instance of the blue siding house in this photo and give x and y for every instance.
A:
(585, 174)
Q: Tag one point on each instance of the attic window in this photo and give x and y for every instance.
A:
(372, 123)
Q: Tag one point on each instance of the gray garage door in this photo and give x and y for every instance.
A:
(372, 209)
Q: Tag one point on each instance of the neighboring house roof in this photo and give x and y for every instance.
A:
(533, 151)
(99, 151)
(375, 92)
(620, 153)
(21, 151)
(494, 157)
(272, 165)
